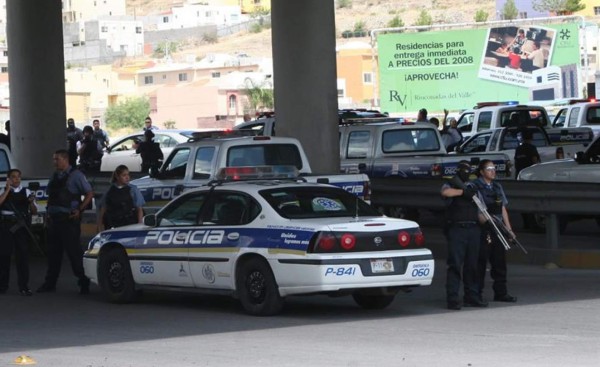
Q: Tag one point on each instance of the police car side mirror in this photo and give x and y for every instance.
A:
(150, 220)
(580, 157)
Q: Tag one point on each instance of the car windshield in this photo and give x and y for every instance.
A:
(316, 202)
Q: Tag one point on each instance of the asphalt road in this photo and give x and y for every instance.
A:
(555, 323)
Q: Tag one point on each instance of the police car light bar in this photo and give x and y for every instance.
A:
(224, 133)
(256, 173)
(491, 104)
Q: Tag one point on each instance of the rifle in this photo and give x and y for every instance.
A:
(497, 225)
(22, 221)
(499, 228)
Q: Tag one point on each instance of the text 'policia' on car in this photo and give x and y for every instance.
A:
(267, 235)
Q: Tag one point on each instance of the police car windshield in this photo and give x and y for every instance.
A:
(316, 202)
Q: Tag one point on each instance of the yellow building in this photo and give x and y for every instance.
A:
(355, 74)
(592, 8)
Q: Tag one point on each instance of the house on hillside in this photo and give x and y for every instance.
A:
(205, 94)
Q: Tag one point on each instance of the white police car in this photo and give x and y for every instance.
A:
(261, 241)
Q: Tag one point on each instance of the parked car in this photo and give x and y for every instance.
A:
(123, 150)
(261, 241)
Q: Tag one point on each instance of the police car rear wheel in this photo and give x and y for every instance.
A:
(257, 288)
(114, 276)
(371, 301)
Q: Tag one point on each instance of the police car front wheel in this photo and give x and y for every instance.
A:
(114, 276)
(257, 288)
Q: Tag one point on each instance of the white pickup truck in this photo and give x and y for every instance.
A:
(197, 162)
(506, 140)
(585, 114)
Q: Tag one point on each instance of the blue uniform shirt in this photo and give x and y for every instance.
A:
(136, 195)
(76, 184)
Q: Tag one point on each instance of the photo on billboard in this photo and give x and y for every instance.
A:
(517, 55)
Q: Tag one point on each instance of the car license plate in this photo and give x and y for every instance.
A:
(37, 219)
(382, 265)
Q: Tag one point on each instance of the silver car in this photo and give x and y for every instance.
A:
(123, 150)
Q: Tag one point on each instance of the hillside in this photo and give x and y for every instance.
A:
(373, 13)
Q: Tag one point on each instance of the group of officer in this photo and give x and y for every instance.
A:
(472, 242)
(87, 144)
(120, 205)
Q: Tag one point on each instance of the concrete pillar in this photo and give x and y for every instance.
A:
(304, 68)
(37, 83)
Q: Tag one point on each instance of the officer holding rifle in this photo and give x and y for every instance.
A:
(464, 235)
(16, 206)
(492, 249)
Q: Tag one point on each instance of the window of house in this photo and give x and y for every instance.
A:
(104, 29)
(216, 74)
(340, 93)
(5, 52)
(4, 69)
(165, 19)
(164, 76)
(232, 102)
(596, 10)
(522, 14)
(138, 30)
(368, 78)
(182, 77)
(148, 79)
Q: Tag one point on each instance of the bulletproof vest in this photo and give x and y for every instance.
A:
(120, 210)
(491, 197)
(58, 193)
(150, 152)
(16, 201)
(90, 152)
(462, 209)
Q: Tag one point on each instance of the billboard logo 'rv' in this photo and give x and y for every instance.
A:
(394, 96)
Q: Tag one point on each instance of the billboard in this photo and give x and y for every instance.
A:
(455, 69)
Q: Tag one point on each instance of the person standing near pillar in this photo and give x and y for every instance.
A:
(65, 188)
(463, 240)
(491, 249)
(16, 206)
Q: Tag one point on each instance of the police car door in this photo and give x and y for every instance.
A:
(224, 233)
(163, 254)
(123, 152)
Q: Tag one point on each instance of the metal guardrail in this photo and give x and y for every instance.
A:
(549, 198)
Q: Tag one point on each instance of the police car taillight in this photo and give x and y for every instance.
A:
(326, 241)
(419, 239)
(256, 172)
(348, 241)
(403, 238)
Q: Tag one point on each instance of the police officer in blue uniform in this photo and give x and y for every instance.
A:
(65, 188)
(464, 235)
(122, 204)
(491, 248)
(16, 206)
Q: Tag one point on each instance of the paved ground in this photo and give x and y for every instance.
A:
(555, 323)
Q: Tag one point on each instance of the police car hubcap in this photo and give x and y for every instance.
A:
(115, 276)
(256, 286)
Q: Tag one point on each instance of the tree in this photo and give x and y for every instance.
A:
(509, 10)
(162, 48)
(424, 19)
(481, 16)
(260, 95)
(395, 22)
(128, 114)
(558, 7)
